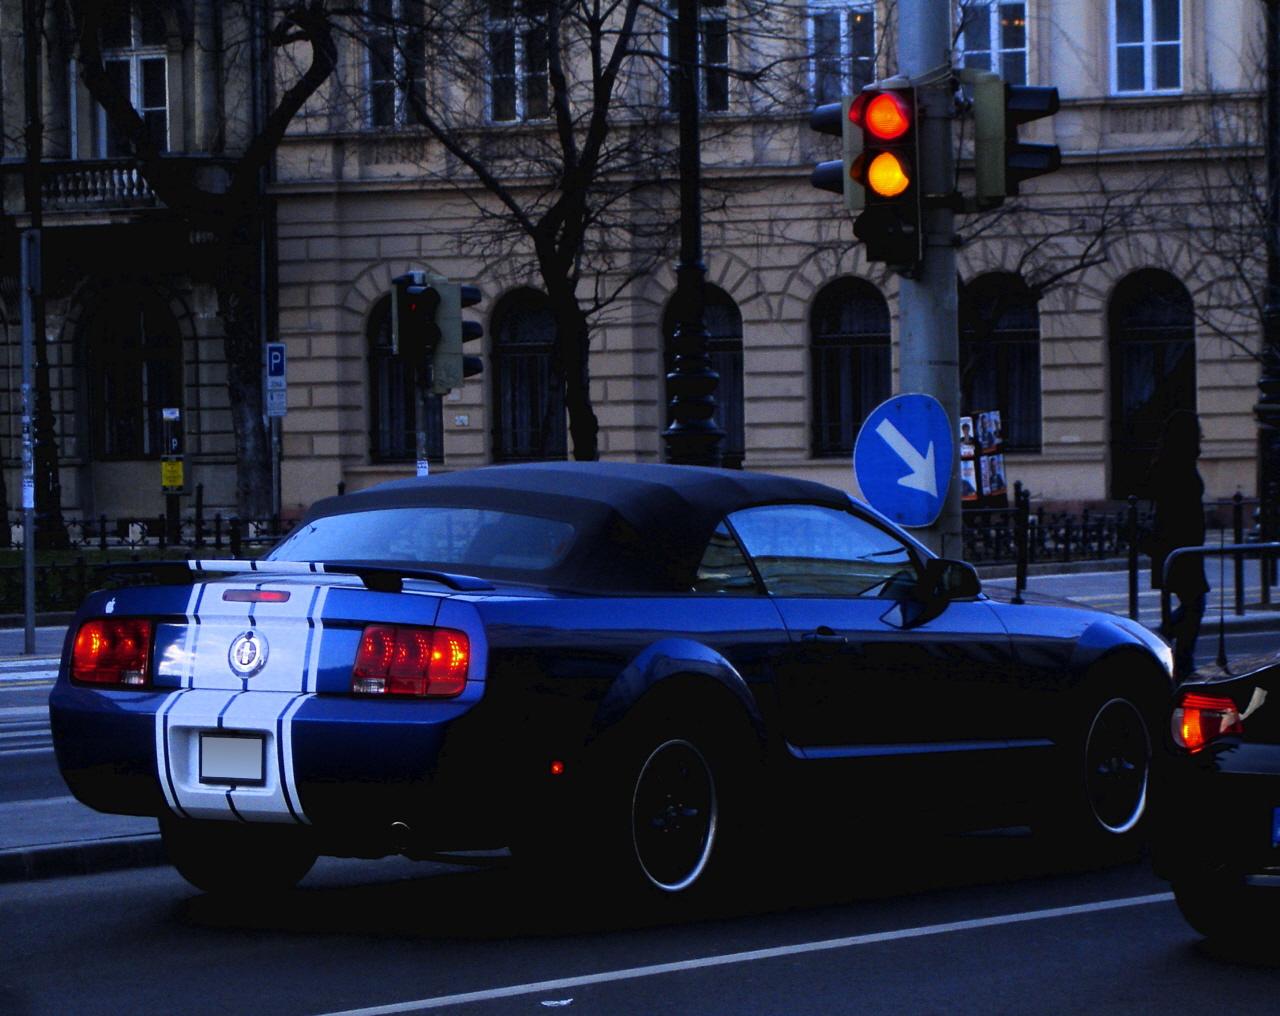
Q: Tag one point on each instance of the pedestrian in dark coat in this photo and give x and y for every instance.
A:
(1174, 485)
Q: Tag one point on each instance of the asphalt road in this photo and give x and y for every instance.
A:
(969, 926)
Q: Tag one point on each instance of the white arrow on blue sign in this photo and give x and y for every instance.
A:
(902, 459)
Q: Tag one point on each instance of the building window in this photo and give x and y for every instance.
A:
(1148, 45)
(396, 60)
(529, 418)
(519, 87)
(723, 322)
(134, 359)
(1153, 368)
(993, 37)
(844, 51)
(1000, 357)
(393, 430)
(134, 55)
(713, 56)
(849, 362)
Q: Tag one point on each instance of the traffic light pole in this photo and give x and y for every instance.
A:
(928, 326)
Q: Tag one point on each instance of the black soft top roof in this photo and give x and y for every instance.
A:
(640, 527)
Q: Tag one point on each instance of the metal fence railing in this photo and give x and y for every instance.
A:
(86, 546)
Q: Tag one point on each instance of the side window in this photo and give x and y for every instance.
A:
(724, 568)
(812, 550)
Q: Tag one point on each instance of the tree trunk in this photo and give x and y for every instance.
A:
(573, 336)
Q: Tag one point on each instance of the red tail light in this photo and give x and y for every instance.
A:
(395, 660)
(1199, 719)
(113, 650)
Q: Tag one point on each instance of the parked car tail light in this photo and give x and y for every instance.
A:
(399, 660)
(1199, 719)
(113, 650)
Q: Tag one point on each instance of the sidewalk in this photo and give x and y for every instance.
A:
(59, 836)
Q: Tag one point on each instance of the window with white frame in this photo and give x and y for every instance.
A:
(396, 60)
(843, 48)
(1148, 45)
(519, 87)
(993, 37)
(134, 54)
(713, 55)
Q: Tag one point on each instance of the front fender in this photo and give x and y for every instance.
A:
(668, 661)
(1109, 634)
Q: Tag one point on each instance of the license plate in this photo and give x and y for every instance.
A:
(233, 759)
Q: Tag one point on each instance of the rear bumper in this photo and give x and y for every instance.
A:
(349, 767)
(1216, 815)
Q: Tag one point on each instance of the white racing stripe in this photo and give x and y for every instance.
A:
(751, 956)
(214, 699)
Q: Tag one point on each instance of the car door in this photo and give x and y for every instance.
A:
(877, 671)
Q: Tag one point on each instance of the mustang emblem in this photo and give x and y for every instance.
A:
(248, 653)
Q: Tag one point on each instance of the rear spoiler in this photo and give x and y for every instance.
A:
(380, 577)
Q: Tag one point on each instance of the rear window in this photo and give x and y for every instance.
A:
(459, 538)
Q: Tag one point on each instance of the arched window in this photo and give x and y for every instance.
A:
(134, 355)
(1153, 368)
(1000, 356)
(849, 365)
(724, 346)
(393, 432)
(529, 420)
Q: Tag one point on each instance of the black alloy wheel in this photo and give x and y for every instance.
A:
(1117, 760)
(674, 815)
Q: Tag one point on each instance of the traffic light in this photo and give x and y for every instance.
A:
(414, 331)
(837, 175)
(887, 170)
(449, 365)
(1000, 160)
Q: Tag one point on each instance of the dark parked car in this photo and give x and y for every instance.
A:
(654, 669)
(1217, 837)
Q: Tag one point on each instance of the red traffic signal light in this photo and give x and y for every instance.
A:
(886, 116)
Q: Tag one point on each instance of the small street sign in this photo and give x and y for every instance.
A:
(277, 380)
(902, 459)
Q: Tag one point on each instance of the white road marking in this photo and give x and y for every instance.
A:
(750, 956)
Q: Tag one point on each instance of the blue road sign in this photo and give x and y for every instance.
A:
(275, 361)
(902, 459)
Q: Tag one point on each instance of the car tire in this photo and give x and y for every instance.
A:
(233, 858)
(678, 825)
(1104, 772)
(1225, 911)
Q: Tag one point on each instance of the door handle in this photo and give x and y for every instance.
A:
(823, 635)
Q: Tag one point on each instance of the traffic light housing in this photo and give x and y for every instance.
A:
(1000, 160)
(414, 331)
(427, 329)
(449, 365)
(887, 170)
(837, 175)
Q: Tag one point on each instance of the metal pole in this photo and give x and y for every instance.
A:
(928, 323)
(30, 291)
(693, 438)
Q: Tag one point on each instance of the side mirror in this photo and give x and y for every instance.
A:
(950, 580)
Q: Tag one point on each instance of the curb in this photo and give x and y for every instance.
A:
(90, 857)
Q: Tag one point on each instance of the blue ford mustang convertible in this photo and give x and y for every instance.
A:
(652, 670)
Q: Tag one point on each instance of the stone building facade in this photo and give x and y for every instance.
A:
(1106, 295)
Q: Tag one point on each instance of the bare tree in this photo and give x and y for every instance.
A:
(226, 218)
(573, 141)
